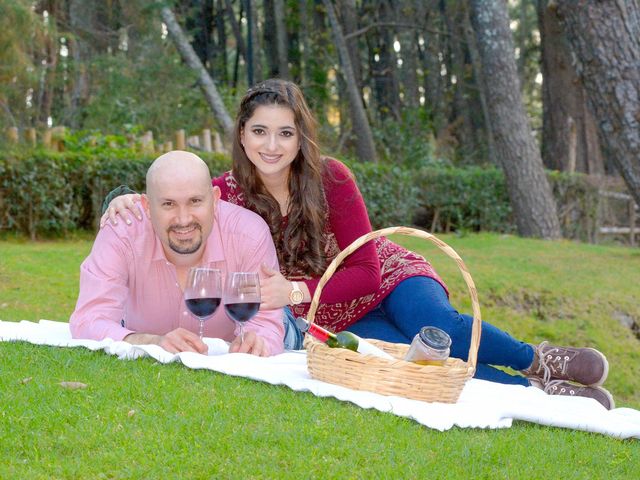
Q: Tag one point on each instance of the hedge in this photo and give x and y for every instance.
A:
(43, 193)
(476, 199)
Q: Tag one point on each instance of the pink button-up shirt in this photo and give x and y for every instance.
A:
(127, 284)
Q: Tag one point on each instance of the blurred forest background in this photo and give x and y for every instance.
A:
(518, 87)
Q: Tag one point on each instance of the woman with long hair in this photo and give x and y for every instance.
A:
(314, 210)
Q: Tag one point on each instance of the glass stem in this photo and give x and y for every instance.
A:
(201, 328)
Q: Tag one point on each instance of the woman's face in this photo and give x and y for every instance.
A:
(271, 140)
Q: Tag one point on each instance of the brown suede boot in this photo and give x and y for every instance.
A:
(581, 365)
(559, 387)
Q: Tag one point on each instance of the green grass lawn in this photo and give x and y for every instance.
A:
(138, 419)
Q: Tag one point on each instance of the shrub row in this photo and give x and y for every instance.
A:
(475, 199)
(44, 193)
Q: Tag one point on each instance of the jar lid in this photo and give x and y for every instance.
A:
(435, 338)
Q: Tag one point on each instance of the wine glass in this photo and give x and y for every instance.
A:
(202, 293)
(242, 297)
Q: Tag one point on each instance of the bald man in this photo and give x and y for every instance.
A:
(132, 282)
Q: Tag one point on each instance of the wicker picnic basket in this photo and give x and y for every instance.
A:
(430, 383)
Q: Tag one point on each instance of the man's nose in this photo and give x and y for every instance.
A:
(184, 215)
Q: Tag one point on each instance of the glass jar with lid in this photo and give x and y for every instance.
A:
(429, 347)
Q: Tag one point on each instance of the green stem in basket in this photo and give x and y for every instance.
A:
(342, 339)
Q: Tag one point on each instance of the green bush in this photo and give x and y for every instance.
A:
(454, 199)
(388, 191)
(474, 198)
(44, 193)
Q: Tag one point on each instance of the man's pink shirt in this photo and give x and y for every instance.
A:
(128, 277)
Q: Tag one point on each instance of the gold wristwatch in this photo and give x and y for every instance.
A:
(296, 296)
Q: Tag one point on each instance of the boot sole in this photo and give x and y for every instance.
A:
(605, 373)
(612, 403)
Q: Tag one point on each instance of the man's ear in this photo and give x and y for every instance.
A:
(216, 194)
(144, 200)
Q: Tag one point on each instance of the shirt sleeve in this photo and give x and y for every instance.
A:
(116, 192)
(359, 273)
(269, 324)
(103, 290)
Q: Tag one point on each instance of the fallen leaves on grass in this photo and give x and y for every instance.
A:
(73, 385)
(26, 380)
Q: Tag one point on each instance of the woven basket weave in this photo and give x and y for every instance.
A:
(430, 383)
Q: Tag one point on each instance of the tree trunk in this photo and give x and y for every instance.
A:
(269, 34)
(255, 41)
(479, 82)
(522, 39)
(462, 110)
(305, 43)
(282, 43)
(82, 18)
(409, 53)
(218, 67)
(569, 130)
(605, 38)
(49, 65)
(190, 58)
(384, 65)
(235, 27)
(365, 147)
(198, 23)
(516, 149)
(349, 21)
(250, 37)
(314, 39)
(434, 88)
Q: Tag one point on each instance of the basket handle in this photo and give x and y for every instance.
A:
(412, 232)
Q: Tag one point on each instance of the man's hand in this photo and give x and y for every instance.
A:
(253, 344)
(178, 340)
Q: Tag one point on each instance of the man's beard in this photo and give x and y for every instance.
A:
(186, 248)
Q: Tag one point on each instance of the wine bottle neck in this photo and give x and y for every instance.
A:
(320, 333)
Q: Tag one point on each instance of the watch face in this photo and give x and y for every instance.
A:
(296, 297)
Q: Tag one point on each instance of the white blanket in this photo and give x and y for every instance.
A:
(481, 404)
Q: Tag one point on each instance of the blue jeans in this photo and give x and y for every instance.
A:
(420, 301)
(293, 337)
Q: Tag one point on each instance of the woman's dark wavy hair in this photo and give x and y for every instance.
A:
(301, 244)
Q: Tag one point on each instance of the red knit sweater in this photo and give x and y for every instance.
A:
(366, 276)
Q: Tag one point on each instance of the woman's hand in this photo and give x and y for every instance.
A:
(122, 205)
(274, 289)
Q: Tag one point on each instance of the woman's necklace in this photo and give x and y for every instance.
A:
(284, 206)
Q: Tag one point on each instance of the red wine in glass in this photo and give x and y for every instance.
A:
(242, 297)
(202, 293)
(203, 307)
(242, 312)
